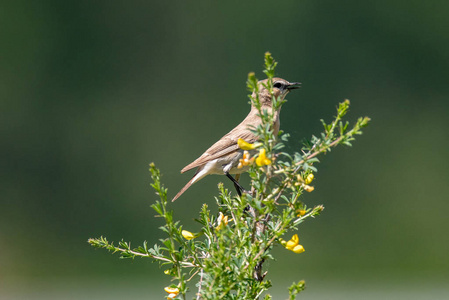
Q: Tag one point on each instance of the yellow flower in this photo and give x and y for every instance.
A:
(262, 159)
(171, 296)
(292, 242)
(247, 146)
(308, 188)
(293, 245)
(221, 221)
(309, 178)
(298, 249)
(301, 212)
(187, 235)
(171, 290)
(246, 160)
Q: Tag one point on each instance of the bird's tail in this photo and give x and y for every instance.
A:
(191, 181)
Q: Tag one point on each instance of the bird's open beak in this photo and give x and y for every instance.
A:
(293, 85)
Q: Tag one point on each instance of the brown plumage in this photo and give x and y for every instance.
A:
(223, 156)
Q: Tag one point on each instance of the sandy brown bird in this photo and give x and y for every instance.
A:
(223, 157)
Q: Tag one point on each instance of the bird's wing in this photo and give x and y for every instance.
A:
(224, 146)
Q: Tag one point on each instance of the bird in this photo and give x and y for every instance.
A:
(223, 157)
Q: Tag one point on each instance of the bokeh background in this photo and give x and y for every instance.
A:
(91, 92)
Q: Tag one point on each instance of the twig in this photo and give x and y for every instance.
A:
(198, 295)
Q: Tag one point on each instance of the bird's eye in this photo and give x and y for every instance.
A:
(278, 85)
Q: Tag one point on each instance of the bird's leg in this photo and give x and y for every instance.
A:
(237, 185)
(237, 178)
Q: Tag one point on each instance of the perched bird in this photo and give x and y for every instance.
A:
(223, 157)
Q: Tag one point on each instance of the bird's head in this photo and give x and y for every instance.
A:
(281, 87)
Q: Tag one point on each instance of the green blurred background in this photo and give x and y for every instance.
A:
(91, 92)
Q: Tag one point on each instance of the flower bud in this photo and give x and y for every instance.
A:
(187, 235)
(309, 179)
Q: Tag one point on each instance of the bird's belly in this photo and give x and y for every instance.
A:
(241, 170)
(224, 164)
